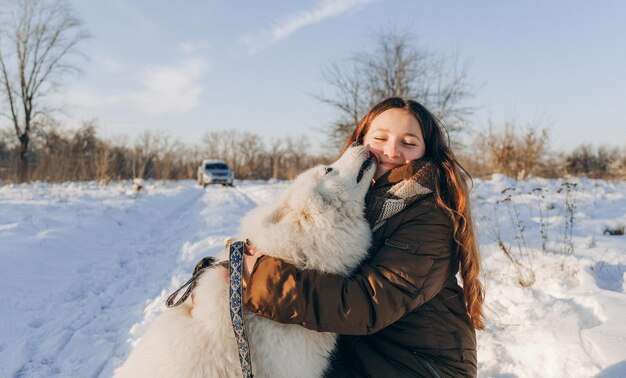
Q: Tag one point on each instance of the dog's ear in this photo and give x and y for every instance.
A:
(277, 214)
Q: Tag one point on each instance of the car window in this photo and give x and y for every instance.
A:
(216, 166)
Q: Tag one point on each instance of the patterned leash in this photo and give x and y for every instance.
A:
(237, 249)
(235, 296)
(206, 262)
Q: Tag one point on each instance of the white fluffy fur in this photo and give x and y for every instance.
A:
(317, 223)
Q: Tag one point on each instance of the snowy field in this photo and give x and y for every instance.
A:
(84, 268)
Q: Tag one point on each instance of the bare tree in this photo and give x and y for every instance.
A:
(295, 156)
(512, 152)
(395, 66)
(37, 39)
(169, 154)
(251, 157)
(600, 162)
(349, 97)
(144, 154)
(220, 145)
(276, 154)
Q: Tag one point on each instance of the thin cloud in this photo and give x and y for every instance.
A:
(111, 65)
(81, 96)
(170, 89)
(283, 29)
(195, 47)
(161, 90)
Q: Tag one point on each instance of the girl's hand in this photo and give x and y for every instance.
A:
(250, 257)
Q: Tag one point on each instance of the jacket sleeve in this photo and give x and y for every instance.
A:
(408, 270)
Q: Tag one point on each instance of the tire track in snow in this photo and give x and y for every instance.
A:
(102, 299)
(103, 294)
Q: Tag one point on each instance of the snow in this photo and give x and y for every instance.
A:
(85, 268)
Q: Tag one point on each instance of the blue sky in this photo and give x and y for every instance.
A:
(189, 67)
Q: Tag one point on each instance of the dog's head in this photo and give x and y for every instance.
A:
(342, 183)
(319, 214)
(339, 187)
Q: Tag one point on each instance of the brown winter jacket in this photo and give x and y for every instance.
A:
(401, 314)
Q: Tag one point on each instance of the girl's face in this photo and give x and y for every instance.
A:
(395, 137)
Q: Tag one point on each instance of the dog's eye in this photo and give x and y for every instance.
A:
(328, 170)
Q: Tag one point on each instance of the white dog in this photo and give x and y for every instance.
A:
(317, 223)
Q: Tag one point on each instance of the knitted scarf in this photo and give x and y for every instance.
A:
(397, 189)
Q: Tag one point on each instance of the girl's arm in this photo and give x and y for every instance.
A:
(402, 275)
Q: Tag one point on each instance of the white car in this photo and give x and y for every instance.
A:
(213, 171)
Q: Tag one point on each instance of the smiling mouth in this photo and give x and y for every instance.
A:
(366, 164)
(391, 165)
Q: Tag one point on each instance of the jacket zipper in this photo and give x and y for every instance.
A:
(431, 369)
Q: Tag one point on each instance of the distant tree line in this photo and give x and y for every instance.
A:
(59, 155)
(523, 152)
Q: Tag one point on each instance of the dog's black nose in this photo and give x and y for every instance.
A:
(366, 164)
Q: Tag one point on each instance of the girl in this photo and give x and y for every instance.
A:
(402, 313)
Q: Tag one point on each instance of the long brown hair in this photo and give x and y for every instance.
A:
(451, 194)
